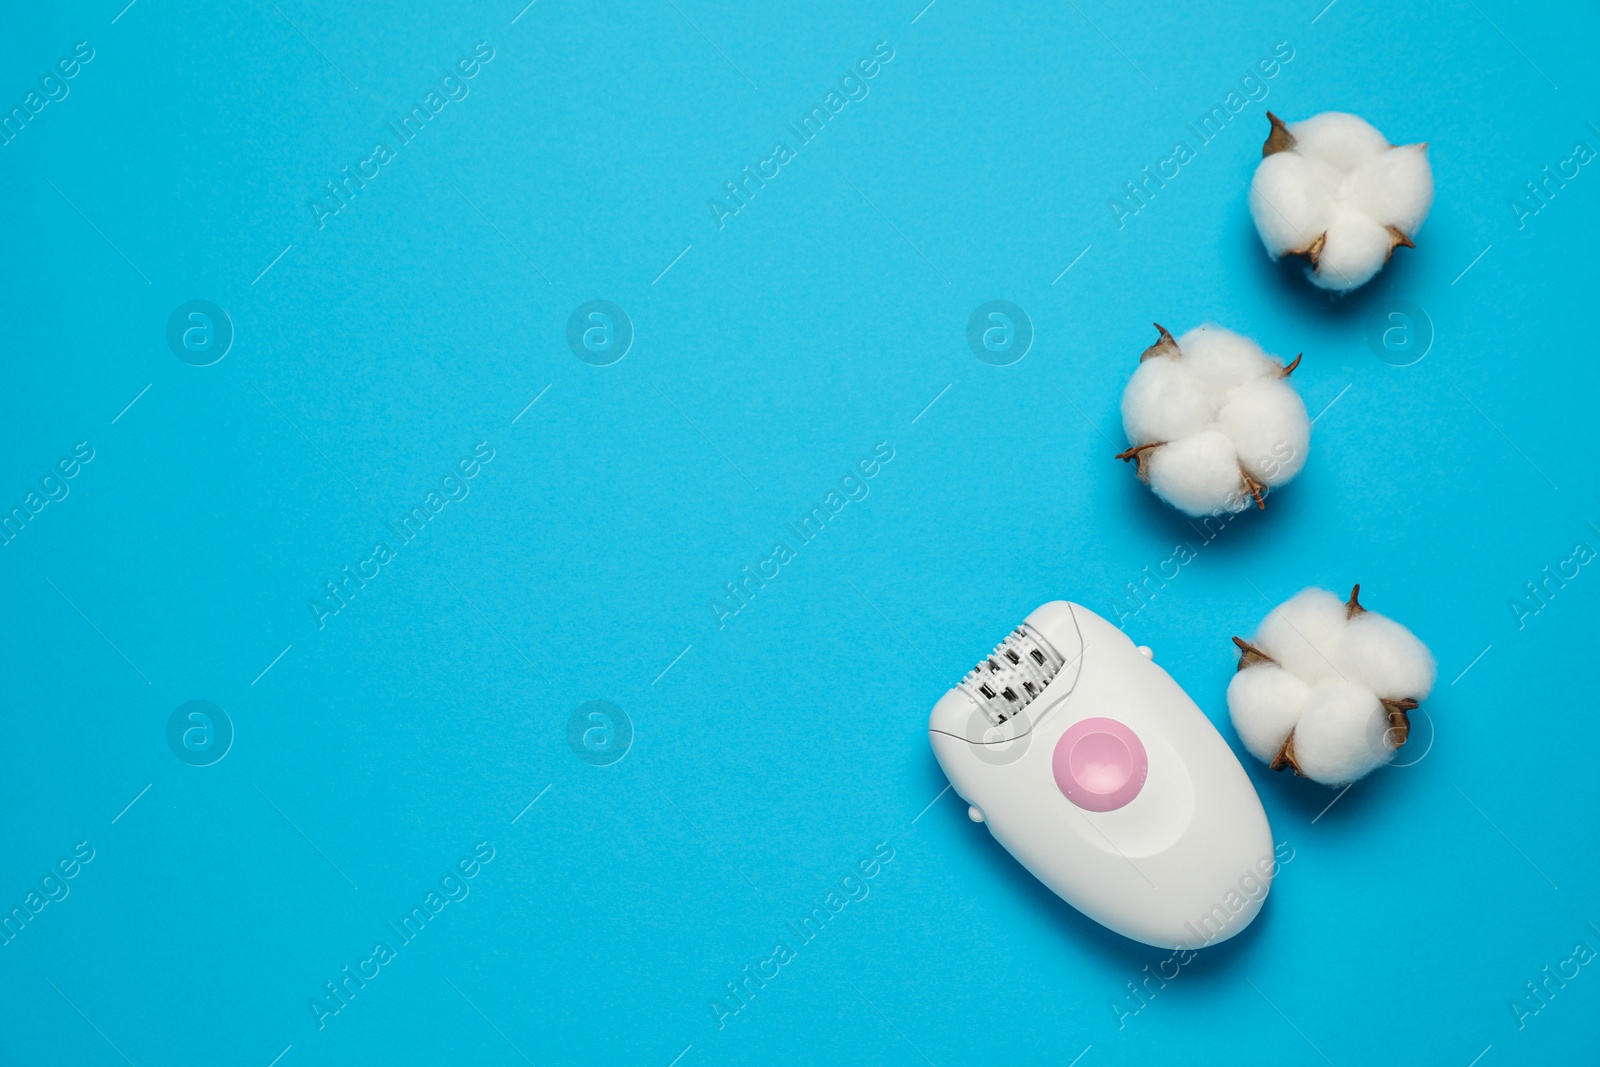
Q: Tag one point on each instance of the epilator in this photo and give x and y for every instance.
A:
(1098, 773)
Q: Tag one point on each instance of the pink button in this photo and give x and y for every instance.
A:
(1100, 764)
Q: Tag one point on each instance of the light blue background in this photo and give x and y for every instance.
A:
(772, 755)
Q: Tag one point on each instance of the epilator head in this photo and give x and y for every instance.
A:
(1099, 774)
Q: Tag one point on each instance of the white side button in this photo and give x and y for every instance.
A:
(974, 814)
(1148, 654)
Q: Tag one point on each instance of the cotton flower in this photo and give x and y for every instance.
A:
(1326, 687)
(1334, 190)
(1213, 421)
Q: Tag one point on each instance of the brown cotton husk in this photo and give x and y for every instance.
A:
(1165, 346)
(1312, 251)
(1399, 721)
(1279, 140)
(1254, 487)
(1250, 655)
(1352, 607)
(1140, 455)
(1397, 237)
(1285, 757)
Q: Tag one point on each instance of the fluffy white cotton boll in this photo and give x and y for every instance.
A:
(1213, 421)
(1305, 634)
(1363, 674)
(1334, 190)
(1387, 658)
(1343, 734)
(1396, 188)
(1198, 474)
(1339, 139)
(1291, 199)
(1224, 360)
(1267, 422)
(1265, 702)
(1163, 401)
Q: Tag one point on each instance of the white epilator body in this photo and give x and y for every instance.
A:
(1098, 773)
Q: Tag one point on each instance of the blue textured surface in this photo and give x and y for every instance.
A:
(775, 749)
